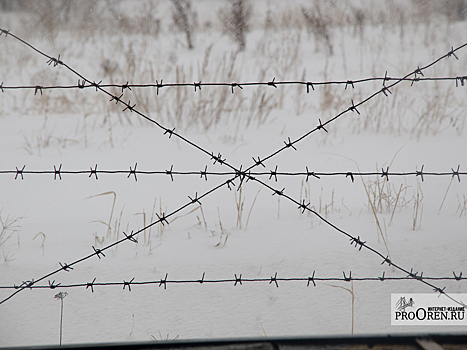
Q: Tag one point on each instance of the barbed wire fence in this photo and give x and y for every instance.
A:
(238, 173)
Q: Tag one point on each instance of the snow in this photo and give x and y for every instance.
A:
(278, 238)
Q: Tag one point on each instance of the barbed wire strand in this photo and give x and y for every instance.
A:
(240, 173)
(39, 88)
(237, 280)
(58, 172)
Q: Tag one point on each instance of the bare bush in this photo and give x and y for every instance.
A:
(184, 19)
(235, 20)
(318, 23)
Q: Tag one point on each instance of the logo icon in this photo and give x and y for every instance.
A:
(402, 304)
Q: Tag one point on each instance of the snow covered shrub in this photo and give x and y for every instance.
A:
(235, 20)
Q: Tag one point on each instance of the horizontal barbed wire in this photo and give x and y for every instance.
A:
(236, 280)
(133, 172)
(460, 80)
(239, 173)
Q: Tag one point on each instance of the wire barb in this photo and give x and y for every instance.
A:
(217, 158)
(164, 281)
(420, 172)
(357, 242)
(116, 99)
(308, 84)
(382, 277)
(65, 267)
(133, 172)
(349, 82)
(451, 53)
(57, 172)
(91, 285)
(170, 132)
(55, 61)
(81, 85)
(273, 173)
(385, 173)
(279, 193)
(304, 206)
(228, 183)
(125, 283)
(351, 176)
(158, 86)
(236, 85)
(258, 162)
(130, 237)
(311, 279)
(96, 85)
(387, 260)
(274, 279)
(20, 172)
(347, 279)
(312, 173)
(238, 279)
(36, 89)
(195, 200)
(162, 218)
(169, 172)
(321, 126)
(201, 281)
(204, 173)
(439, 290)
(353, 108)
(457, 278)
(456, 173)
(129, 106)
(126, 86)
(289, 144)
(197, 85)
(461, 80)
(52, 285)
(271, 83)
(98, 252)
(93, 171)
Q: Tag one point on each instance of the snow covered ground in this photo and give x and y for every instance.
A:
(58, 221)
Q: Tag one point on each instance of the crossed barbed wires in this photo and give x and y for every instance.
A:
(238, 172)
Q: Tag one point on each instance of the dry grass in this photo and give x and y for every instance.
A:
(9, 227)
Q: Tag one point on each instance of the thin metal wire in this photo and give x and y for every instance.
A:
(82, 85)
(236, 281)
(20, 173)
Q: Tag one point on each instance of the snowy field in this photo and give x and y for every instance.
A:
(57, 218)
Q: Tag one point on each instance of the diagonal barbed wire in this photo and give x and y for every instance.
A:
(459, 80)
(237, 280)
(239, 173)
(57, 172)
